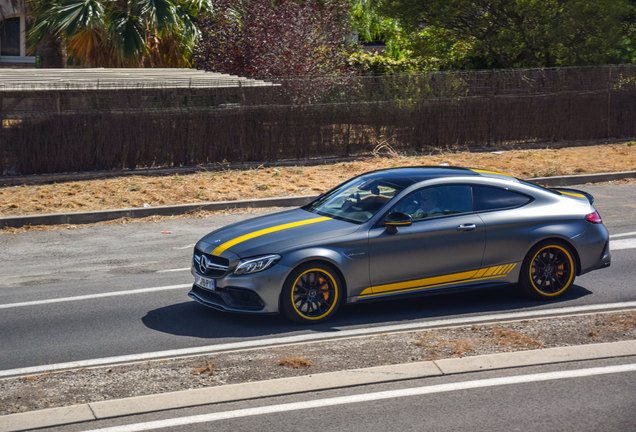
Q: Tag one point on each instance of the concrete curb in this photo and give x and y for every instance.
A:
(77, 218)
(579, 179)
(323, 381)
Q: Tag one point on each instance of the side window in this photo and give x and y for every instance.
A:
(436, 201)
(491, 198)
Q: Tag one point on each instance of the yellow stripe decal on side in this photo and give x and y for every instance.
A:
(424, 282)
(502, 270)
(219, 249)
(430, 286)
(491, 271)
(438, 281)
(481, 272)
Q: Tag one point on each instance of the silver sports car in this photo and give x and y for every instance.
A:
(401, 231)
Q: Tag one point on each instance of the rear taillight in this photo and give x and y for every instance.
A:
(594, 218)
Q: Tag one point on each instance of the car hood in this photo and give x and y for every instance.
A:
(273, 233)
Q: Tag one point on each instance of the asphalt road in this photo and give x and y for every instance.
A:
(104, 259)
(580, 396)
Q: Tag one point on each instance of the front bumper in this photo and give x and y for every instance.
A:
(257, 293)
(228, 300)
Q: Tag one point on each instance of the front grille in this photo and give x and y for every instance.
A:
(244, 299)
(208, 296)
(234, 298)
(216, 266)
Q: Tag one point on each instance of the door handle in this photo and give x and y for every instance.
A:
(466, 227)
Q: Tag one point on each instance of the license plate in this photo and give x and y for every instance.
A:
(203, 282)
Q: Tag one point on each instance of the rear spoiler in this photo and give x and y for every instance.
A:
(575, 193)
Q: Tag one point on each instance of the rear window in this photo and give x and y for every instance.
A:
(536, 186)
(491, 198)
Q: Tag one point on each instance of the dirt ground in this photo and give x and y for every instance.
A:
(49, 390)
(226, 184)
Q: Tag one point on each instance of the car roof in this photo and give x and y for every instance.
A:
(407, 176)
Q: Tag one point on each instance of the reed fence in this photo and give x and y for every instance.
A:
(58, 130)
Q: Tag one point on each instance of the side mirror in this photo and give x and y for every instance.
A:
(395, 220)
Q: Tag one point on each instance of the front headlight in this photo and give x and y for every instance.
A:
(255, 265)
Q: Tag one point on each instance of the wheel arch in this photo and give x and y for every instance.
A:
(563, 240)
(321, 260)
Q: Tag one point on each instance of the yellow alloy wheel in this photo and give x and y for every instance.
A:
(312, 293)
(549, 270)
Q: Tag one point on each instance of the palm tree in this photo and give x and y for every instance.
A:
(121, 33)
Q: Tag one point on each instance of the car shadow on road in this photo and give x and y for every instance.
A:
(500, 299)
(191, 319)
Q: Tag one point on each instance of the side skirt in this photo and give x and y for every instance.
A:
(423, 292)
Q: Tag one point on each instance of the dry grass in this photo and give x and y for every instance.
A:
(35, 378)
(462, 348)
(436, 347)
(140, 191)
(295, 363)
(207, 369)
(514, 339)
(425, 344)
(619, 323)
(441, 348)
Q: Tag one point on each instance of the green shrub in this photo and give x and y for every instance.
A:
(378, 64)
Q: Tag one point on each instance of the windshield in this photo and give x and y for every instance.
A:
(356, 201)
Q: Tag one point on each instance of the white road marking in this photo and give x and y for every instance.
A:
(184, 247)
(94, 296)
(622, 244)
(286, 340)
(369, 397)
(627, 234)
(174, 270)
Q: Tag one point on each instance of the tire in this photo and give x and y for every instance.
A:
(548, 270)
(312, 293)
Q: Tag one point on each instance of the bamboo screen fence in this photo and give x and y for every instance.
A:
(66, 130)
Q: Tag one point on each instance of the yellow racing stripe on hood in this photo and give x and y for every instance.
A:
(228, 244)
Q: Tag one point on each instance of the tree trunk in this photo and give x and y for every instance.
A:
(51, 52)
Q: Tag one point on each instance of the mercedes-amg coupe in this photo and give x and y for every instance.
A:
(402, 231)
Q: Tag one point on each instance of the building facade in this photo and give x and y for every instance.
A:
(13, 23)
